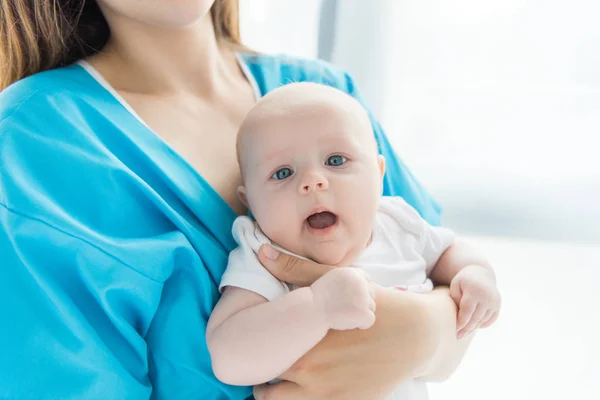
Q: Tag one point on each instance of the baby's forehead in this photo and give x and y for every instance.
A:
(300, 104)
(301, 96)
(291, 103)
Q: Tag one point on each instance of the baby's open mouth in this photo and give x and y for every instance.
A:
(321, 220)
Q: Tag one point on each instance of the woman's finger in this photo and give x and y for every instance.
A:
(280, 391)
(291, 269)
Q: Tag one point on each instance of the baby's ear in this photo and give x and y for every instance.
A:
(241, 192)
(381, 163)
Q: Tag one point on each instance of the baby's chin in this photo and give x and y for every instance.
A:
(332, 254)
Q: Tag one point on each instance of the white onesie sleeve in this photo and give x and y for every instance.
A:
(432, 241)
(435, 241)
(244, 269)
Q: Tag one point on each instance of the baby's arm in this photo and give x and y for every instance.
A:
(472, 286)
(252, 341)
(456, 257)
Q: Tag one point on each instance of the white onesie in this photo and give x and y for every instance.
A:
(403, 250)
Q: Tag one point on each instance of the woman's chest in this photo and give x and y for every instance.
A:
(204, 136)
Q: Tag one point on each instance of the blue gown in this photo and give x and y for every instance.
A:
(112, 245)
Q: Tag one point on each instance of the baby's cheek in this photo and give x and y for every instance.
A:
(278, 222)
(264, 206)
(360, 224)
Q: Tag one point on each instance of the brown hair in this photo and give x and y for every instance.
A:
(39, 35)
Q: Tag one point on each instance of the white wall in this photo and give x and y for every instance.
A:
(363, 39)
(361, 32)
(281, 26)
(496, 106)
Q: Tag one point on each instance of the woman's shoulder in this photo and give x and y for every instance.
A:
(54, 104)
(272, 71)
(52, 134)
(41, 91)
(51, 111)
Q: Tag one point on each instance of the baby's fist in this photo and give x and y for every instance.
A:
(474, 291)
(347, 299)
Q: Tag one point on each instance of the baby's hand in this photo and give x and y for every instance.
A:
(347, 299)
(474, 291)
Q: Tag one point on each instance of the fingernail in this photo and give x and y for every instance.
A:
(270, 252)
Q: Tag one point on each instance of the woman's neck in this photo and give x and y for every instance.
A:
(145, 59)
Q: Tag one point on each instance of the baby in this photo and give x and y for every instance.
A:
(312, 178)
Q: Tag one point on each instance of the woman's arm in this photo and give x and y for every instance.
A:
(449, 351)
(414, 336)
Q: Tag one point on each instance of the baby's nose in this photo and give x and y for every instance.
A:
(313, 182)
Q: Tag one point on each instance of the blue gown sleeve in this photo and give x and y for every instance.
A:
(75, 304)
(67, 329)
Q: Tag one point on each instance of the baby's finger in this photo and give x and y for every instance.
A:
(491, 320)
(474, 322)
(455, 292)
(372, 305)
(368, 321)
(466, 309)
(488, 315)
(372, 291)
(364, 275)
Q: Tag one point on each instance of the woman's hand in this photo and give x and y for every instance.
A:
(291, 269)
(362, 364)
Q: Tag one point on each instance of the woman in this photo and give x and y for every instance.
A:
(117, 196)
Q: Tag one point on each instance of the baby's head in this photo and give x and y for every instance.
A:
(311, 173)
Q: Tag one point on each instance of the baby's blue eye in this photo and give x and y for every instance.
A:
(282, 174)
(336, 161)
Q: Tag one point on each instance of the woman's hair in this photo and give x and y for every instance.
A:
(37, 35)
